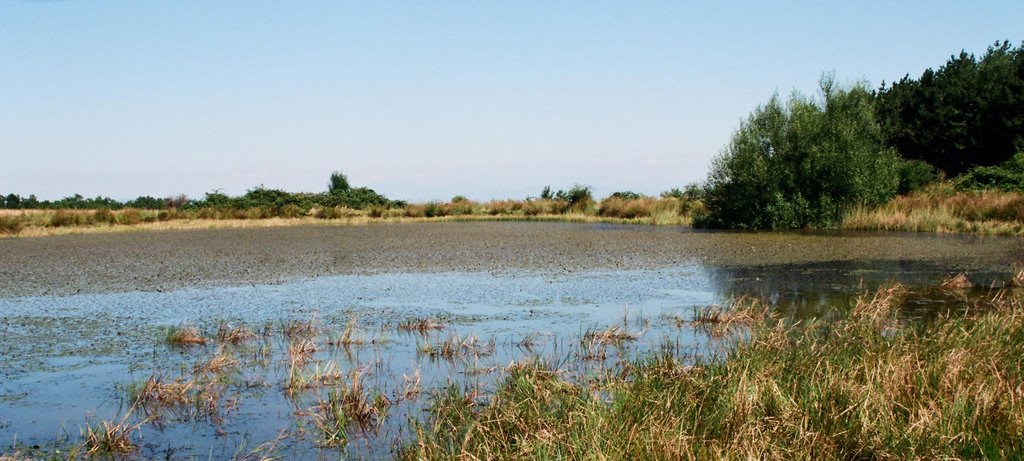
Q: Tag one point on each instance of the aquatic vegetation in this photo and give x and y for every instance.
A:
(881, 304)
(1017, 279)
(868, 381)
(111, 438)
(613, 335)
(814, 390)
(742, 311)
(234, 335)
(221, 362)
(421, 325)
(456, 346)
(184, 335)
(957, 282)
(348, 336)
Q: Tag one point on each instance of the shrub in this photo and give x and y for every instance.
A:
(10, 224)
(104, 216)
(801, 164)
(916, 174)
(291, 211)
(376, 211)
(580, 197)
(1008, 176)
(62, 218)
(129, 217)
(626, 195)
(617, 207)
(434, 210)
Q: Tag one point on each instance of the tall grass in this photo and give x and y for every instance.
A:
(942, 209)
(855, 388)
(641, 210)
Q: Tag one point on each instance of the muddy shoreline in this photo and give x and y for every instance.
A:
(167, 260)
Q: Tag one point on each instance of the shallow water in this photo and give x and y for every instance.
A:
(67, 360)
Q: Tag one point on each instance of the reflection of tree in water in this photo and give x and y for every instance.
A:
(807, 290)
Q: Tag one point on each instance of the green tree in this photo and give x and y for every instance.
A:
(968, 112)
(338, 183)
(802, 163)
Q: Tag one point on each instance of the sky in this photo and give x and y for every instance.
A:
(429, 99)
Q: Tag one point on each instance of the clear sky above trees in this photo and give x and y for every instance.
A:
(426, 100)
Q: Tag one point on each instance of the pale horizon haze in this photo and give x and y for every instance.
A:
(427, 100)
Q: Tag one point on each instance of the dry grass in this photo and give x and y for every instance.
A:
(941, 209)
(185, 335)
(39, 223)
(421, 325)
(455, 347)
(612, 335)
(881, 305)
(1017, 279)
(156, 390)
(111, 438)
(349, 403)
(220, 363)
(957, 282)
(234, 335)
(848, 389)
(739, 313)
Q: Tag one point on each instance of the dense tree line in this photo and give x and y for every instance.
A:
(969, 112)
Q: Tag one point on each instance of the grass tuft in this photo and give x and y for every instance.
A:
(957, 282)
(184, 335)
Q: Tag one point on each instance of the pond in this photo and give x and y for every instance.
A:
(385, 339)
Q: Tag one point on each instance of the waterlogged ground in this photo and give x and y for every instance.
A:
(76, 338)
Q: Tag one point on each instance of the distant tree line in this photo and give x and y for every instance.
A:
(339, 193)
(804, 162)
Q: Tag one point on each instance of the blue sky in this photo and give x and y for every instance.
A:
(426, 100)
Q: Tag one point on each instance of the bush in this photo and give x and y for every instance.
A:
(129, 217)
(801, 164)
(1009, 176)
(626, 195)
(624, 208)
(10, 224)
(580, 197)
(916, 174)
(104, 216)
(62, 218)
(434, 210)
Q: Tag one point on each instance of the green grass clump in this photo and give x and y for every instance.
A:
(855, 388)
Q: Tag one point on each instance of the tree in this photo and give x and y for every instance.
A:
(968, 112)
(339, 183)
(802, 163)
(12, 202)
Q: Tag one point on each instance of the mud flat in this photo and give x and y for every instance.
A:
(153, 261)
